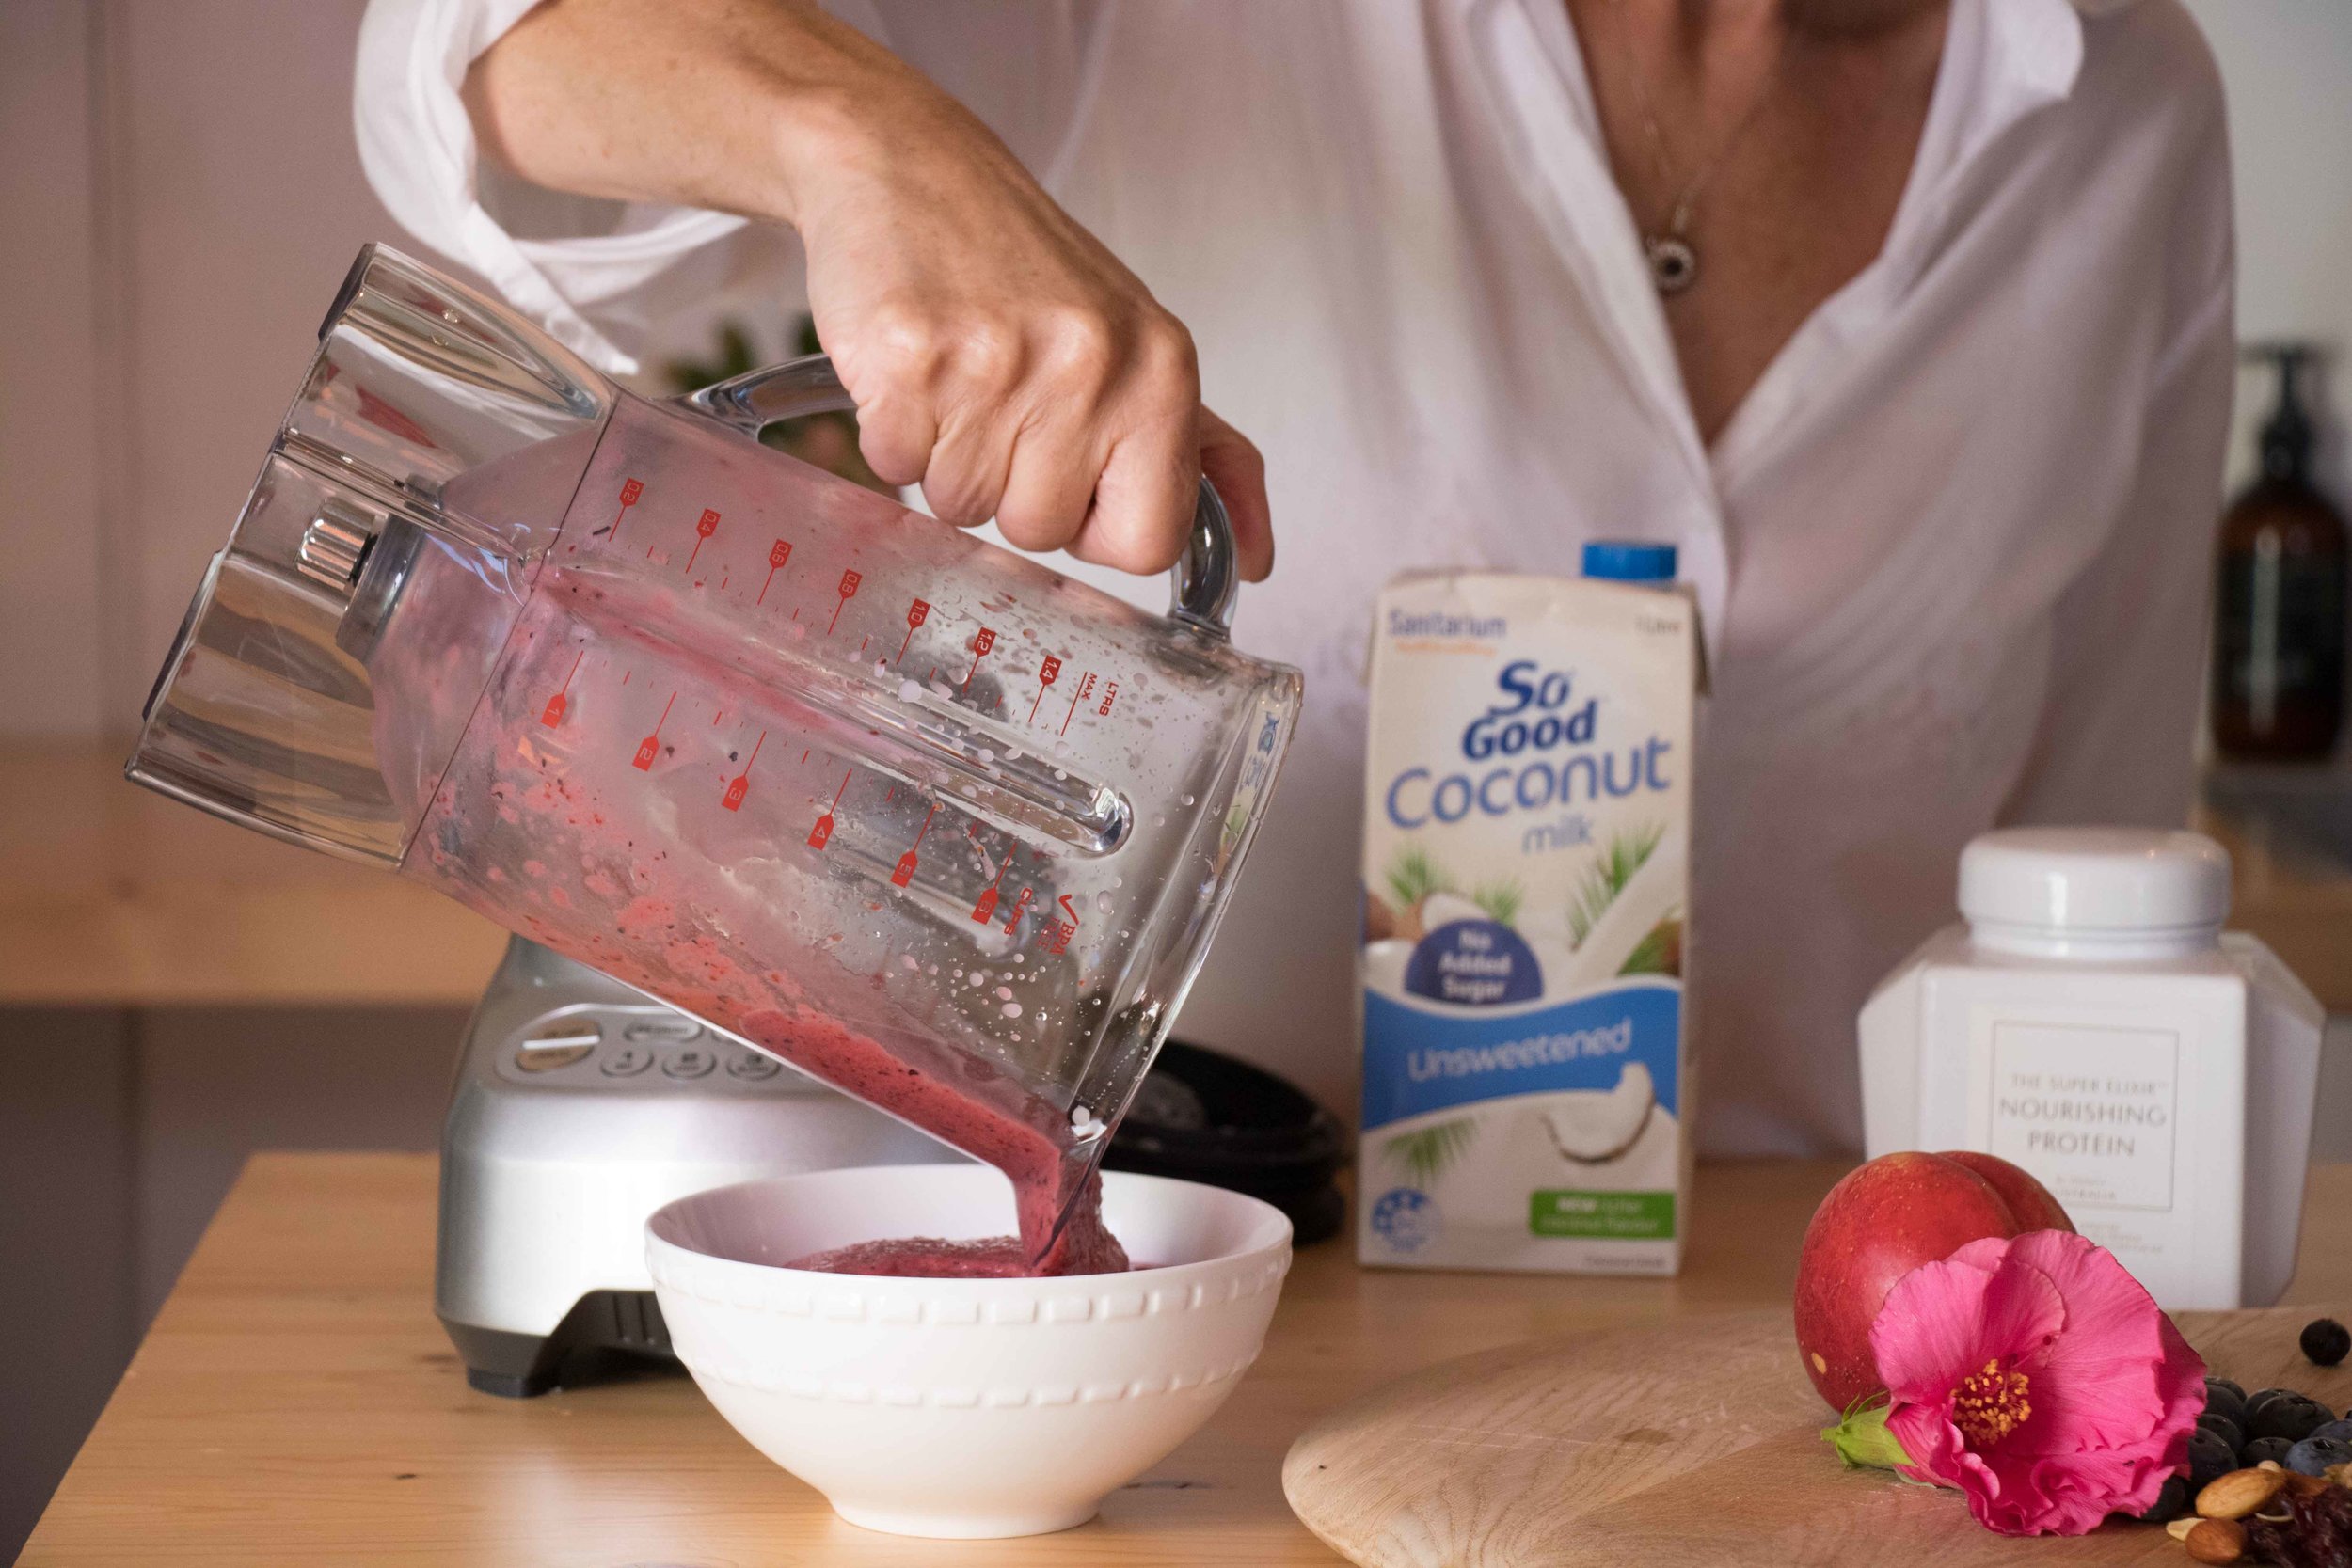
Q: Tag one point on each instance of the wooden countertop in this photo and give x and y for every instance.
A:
(295, 1403)
(111, 896)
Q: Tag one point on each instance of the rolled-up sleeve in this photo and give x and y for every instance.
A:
(600, 274)
(596, 273)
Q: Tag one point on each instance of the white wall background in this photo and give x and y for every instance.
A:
(2287, 66)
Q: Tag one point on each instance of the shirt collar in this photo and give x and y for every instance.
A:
(2003, 60)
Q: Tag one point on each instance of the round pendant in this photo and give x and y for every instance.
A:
(1674, 266)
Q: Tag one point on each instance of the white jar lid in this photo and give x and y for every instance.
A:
(2095, 880)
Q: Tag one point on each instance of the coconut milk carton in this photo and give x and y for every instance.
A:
(1526, 842)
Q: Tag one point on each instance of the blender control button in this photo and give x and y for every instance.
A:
(692, 1062)
(667, 1029)
(566, 1031)
(752, 1067)
(547, 1058)
(628, 1062)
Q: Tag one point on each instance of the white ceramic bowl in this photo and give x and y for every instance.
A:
(963, 1407)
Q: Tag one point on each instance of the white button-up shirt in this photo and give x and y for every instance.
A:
(1952, 551)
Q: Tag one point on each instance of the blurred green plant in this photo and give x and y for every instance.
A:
(828, 441)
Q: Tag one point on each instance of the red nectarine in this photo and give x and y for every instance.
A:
(1881, 1222)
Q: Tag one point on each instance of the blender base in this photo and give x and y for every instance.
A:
(517, 1366)
(581, 1107)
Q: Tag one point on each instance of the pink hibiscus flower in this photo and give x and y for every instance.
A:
(2035, 1374)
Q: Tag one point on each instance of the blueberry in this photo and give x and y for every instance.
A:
(2209, 1455)
(2262, 1397)
(2224, 1428)
(2170, 1503)
(2224, 1398)
(2325, 1341)
(2273, 1448)
(2340, 1432)
(2312, 1456)
(2292, 1416)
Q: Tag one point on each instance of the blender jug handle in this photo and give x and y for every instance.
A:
(1202, 585)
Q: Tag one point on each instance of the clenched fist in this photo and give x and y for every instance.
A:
(999, 356)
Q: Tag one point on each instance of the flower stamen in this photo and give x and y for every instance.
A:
(1990, 1404)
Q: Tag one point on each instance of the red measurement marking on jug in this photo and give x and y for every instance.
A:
(905, 873)
(987, 905)
(848, 591)
(1019, 904)
(1085, 686)
(1056, 933)
(824, 830)
(740, 784)
(778, 553)
(552, 714)
(918, 612)
(1110, 695)
(650, 747)
(704, 527)
(630, 490)
(1045, 673)
(980, 644)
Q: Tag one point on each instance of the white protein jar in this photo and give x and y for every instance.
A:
(2090, 1022)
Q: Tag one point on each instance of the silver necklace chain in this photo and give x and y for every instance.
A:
(1674, 261)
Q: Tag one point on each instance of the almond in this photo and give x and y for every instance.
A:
(2239, 1494)
(2304, 1486)
(2215, 1540)
(2178, 1529)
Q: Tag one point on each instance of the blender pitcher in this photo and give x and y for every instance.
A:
(919, 815)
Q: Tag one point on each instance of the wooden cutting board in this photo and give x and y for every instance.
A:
(1691, 1441)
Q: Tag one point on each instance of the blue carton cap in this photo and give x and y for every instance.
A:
(1627, 561)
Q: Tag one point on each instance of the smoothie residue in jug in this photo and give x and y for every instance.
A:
(525, 827)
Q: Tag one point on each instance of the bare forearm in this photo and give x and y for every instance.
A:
(998, 354)
(715, 104)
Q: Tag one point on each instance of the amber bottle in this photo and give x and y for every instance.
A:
(2279, 633)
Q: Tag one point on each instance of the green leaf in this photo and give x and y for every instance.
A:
(1427, 1154)
(1619, 859)
(1655, 953)
(1862, 1439)
(1413, 875)
(1502, 900)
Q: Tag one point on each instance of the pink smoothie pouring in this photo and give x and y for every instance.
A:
(524, 829)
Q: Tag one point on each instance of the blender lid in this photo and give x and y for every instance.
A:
(1202, 1115)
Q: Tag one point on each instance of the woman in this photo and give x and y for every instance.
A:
(1907, 321)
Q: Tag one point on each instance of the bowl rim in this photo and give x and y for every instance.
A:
(1275, 1238)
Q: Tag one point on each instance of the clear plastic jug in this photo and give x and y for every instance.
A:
(919, 815)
